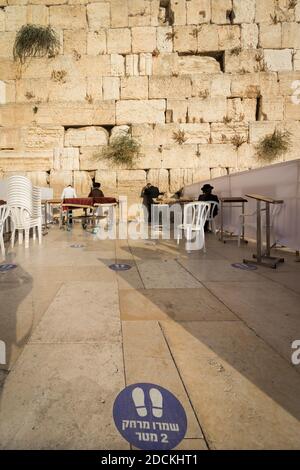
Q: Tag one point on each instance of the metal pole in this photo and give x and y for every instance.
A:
(258, 235)
(268, 232)
(222, 208)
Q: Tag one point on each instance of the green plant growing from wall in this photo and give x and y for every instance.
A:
(273, 145)
(179, 137)
(35, 41)
(122, 150)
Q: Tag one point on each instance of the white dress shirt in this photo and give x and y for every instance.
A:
(68, 193)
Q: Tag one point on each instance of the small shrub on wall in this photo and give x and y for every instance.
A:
(122, 150)
(35, 41)
(273, 145)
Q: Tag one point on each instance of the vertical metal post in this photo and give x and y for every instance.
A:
(243, 223)
(258, 234)
(222, 209)
(268, 230)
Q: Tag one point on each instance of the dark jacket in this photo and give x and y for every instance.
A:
(148, 194)
(96, 192)
(207, 197)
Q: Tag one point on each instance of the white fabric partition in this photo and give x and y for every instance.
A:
(280, 181)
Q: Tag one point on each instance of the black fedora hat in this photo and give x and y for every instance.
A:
(207, 187)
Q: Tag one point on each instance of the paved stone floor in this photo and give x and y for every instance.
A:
(217, 337)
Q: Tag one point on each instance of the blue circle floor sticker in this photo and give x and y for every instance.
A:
(244, 266)
(150, 417)
(120, 267)
(7, 267)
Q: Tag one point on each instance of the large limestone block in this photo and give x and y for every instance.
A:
(82, 183)
(268, 83)
(90, 159)
(32, 90)
(166, 64)
(68, 16)
(144, 133)
(15, 17)
(66, 158)
(194, 64)
(11, 160)
(72, 90)
(196, 133)
(6, 45)
(291, 35)
(163, 43)
(143, 39)
(2, 20)
(8, 69)
(117, 65)
(86, 137)
(278, 60)
(108, 181)
(42, 137)
(246, 158)
(198, 11)
(59, 180)
(201, 174)
(229, 37)
(75, 42)
(289, 83)
(119, 41)
(119, 13)
(159, 178)
(272, 108)
(211, 85)
(220, 10)
(157, 14)
(134, 88)
(225, 133)
(38, 14)
(98, 15)
(207, 37)
(249, 36)
(241, 109)
(218, 172)
(119, 131)
(38, 178)
(170, 87)
(258, 130)
(111, 88)
(178, 8)
(10, 138)
(94, 90)
(270, 35)
(178, 110)
(292, 110)
(207, 109)
(179, 178)
(132, 65)
(185, 39)
(297, 60)
(244, 11)
(247, 61)
(264, 11)
(185, 154)
(215, 155)
(139, 12)
(245, 86)
(135, 112)
(96, 42)
(145, 64)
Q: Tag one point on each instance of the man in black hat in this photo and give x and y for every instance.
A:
(207, 196)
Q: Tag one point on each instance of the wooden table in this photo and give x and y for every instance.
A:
(261, 258)
(238, 202)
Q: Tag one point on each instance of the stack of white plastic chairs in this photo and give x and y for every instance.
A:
(24, 202)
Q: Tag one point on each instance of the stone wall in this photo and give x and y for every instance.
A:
(222, 71)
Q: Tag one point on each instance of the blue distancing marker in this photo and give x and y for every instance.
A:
(7, 267)
(150, 417)
(244, 266)
(120, 267)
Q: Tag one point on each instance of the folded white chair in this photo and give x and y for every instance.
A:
(194, 217)
(211, 218)
(4, 213)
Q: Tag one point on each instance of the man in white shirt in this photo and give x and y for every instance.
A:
(68, 193)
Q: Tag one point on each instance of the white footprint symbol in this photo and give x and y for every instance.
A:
(157, 402)
(138, 397)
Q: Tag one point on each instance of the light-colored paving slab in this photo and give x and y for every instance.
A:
(165, 274)
(244, 394)
(61, 396)
(172, 304)
(217, 270)
(81, 312)
(266, 307)
(148, 359)
(290, 280)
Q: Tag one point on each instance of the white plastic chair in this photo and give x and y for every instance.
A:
(24, 202)
(211, 218)
(4, 213)
(194, 217)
